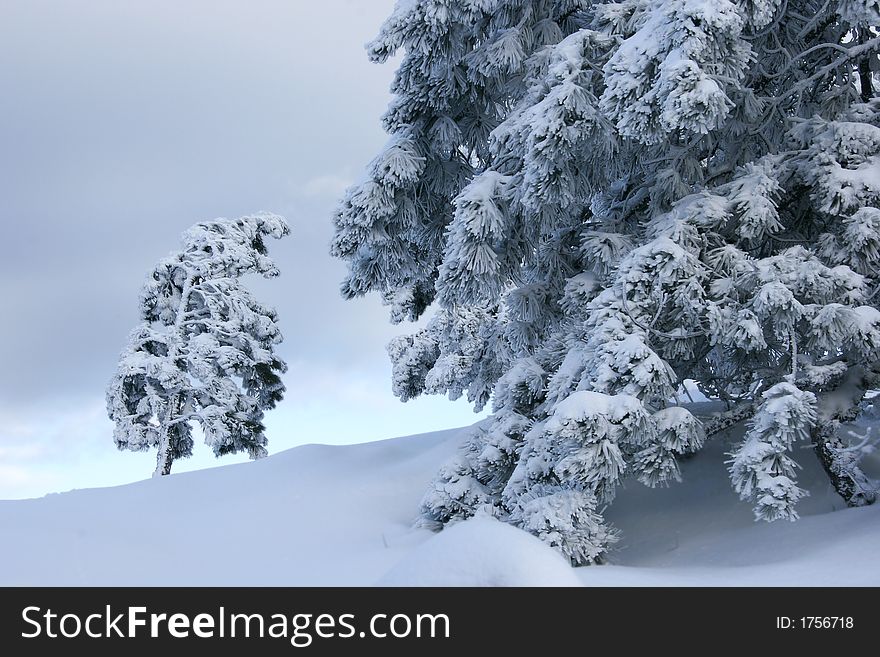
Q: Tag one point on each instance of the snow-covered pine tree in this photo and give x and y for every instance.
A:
(204, 351)
(609, 198)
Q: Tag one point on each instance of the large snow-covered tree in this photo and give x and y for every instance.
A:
(601, 200)
(204, 352)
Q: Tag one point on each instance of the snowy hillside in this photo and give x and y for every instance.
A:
(342, 515)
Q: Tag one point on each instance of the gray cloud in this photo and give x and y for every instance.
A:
(123, 123)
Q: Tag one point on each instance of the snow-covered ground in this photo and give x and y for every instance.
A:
(342, 515)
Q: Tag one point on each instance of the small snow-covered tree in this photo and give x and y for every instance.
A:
(611, 197)
(204, 351)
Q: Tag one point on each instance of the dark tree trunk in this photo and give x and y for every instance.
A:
(865, 76)
(841, 465)
(865, 81)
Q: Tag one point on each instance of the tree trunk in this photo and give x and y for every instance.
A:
(865, 81)
(841, 465)
(164, 458)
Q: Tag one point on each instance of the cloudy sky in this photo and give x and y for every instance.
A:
(123, 123)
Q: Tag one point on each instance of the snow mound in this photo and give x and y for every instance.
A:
(482, 552)
(321, 515)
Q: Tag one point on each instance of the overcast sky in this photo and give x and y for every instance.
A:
(123, 123)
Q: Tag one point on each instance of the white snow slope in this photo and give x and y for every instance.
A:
(342, 515)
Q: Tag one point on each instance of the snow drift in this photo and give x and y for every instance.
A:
(343, 515)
